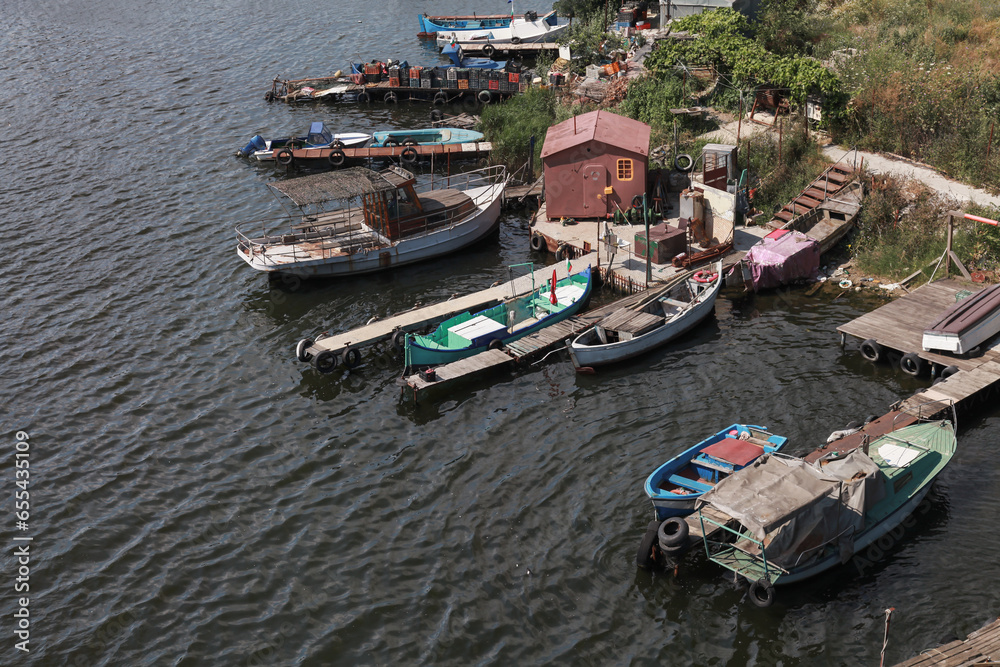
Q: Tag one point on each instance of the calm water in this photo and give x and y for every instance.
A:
(198, 497)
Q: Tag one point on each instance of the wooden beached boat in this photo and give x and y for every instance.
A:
(318, 136)
(426, 137)
(379, 220)
(962, 327)
(429, 24)
(788, 520)
(466, 334)
(629, 332)
(674, 487)
(520, 31)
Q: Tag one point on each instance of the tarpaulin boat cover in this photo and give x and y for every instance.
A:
(793, 507)
(779, 261)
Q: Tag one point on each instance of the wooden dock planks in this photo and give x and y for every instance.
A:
(981, 647)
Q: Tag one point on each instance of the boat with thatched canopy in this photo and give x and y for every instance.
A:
(356, 221)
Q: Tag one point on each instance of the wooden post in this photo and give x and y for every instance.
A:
(649, 253)
(947, 251)
(739, 124)
(779, 140)
(531, 156)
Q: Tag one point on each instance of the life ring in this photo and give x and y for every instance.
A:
(489, 50)
(515, 40)
(871, 350)
(683, 163)
(949, 371)
(637, 201)
(645, 557)
(485, 96)
(399, 340)
(390, 98)
(351, 356)
(409, 155)
(762, 593)
(284, 156)
(336, 157)
(436, 115)
(911, 364)
(364, 97)
(440, 98)
(705, 276)
(300, 350)
(325, 361)
(537, 242)
(672, 534)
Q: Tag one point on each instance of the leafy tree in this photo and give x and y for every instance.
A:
(786, 27)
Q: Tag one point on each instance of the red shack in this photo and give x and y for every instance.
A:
(594, 163)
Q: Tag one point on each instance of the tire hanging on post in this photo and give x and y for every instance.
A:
(336, 158)
(409, 155)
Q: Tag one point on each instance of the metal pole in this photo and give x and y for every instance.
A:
(779, 140)
(947, 252)
(649, 253)
(739, 125)
(531, 156)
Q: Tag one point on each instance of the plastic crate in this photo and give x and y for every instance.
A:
(494, 85)
(452, 74)
(463, 84)
(393, 82)
(513, 77)
(425, 83)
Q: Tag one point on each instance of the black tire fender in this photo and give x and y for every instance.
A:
(484, 96)
(683, 163)
(436, 115)
(336, 157)
(637, 201)
(561, 253)
(489, 50)
(672, 533)
(537, 242)
(364, 97)
(325, 361)
(399, 340)
(911, 364)
(872, 351)
(530, 16)
(409, 155)
(645, 557)
(495, 344)
(390, 98)
(300, 350)
(440, 98)
(515, 40)
(351, 356)
(337, 143)
(762, 593)
(284, 156)
(949, 371)
(410, 142)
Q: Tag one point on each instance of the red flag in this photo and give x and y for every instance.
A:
(552, 297)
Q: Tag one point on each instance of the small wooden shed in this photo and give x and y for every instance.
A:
(594, 163)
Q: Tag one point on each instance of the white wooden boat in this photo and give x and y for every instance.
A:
(520, 31)
(962, 327)
(629, 332)
(382, 221)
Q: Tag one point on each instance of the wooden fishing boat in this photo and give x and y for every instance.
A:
(629, 332)
(466, 334)
(379, 220)
(965, 325)
(430, 24)
(318, 136)
(426, 137)
(674, 487)
(788, 520)
(520, 31)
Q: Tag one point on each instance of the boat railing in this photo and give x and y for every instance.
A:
(495, 176)
(821, 545)
(279, 240)
(759, 557)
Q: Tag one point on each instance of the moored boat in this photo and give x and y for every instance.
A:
(786, 520)
(629, 332)
(318, 136)
(466, 334)
(426, 137)
(430, 24)
(963, 326)
(379, 220)
(520, 31)
(675, 485)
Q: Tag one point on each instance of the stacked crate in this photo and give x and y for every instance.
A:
(494, 81)
(463, 79)
(425, 78)
(394, 77)
(415, 77)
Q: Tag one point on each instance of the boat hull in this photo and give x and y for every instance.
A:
(429, 24)
(480, 224)
(518, 33)
(600, 355)
(350, 140)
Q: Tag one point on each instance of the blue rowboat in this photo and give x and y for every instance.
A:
(426, 137)
(430, 24)
(469, 333)
(677, 484)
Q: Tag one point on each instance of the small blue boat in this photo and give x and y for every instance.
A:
(429, 24)
(426, 137)
(318, 136)
(677, 484)
(469, 333)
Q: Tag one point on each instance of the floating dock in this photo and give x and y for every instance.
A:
(982, 647)
(473, 48)
(338, 157)
(897, 329)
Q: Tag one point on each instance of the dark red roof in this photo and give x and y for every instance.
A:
(604, 126)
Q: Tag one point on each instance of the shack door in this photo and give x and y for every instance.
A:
(595, 202)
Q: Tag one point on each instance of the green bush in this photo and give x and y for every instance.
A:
(510, 126)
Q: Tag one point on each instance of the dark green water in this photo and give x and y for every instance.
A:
(199, 497)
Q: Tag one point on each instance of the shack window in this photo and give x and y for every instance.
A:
(624, 170)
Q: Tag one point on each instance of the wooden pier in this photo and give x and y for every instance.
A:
(981, 647)
(897, 328)
(338, 157)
